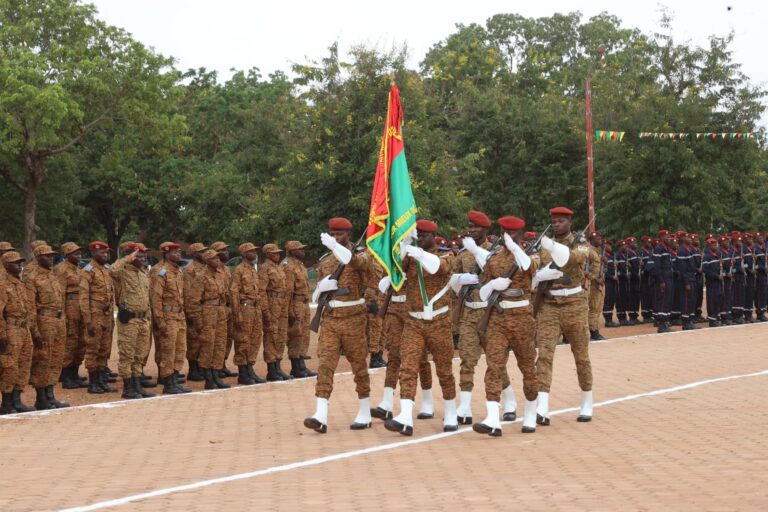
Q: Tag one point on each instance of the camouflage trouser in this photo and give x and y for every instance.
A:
(373, 332)
(99, 346)
(248, 339)
(193, 343)
(347, 333)
(568, 316)
(46, 362)
(230, 337)
(596, 299)
(276, 336)
(471, 344)
(512, 329)
(418, 337)
(15, 361)
(171, 345)
(132, 346)
(298, 333)
(74, 348)
(393, 335)
(213, 339)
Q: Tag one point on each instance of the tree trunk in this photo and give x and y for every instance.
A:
(30, 213)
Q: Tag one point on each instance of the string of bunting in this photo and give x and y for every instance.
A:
(617, 136)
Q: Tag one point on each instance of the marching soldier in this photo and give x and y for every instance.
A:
(223, 250)
(68, 273)
(209, 311)
(373, 323)
(134, 319)
(471, 341)
(297, 290)
(249, 312)
(595, 284)
(272, 278)
(16, 315)
(713, 271)
(428, 326)
(166, 298)
(563, 310)
(49, 329)
(343, 325)
(512, 328)
(195, 251)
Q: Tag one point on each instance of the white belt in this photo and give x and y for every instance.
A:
(565, 292)
(398, 298)
(509, 304)
(428, 314)
(475, 305)
(333, 304)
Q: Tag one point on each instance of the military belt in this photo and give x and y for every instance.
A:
(398, 298)
(213, 302)
(18, 322)
(142, 315)
(50, 312)
(73, 295)
(173, 309)
(511, 304)
(565, 292)
(103, 306)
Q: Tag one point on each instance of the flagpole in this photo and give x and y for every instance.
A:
(590, 161)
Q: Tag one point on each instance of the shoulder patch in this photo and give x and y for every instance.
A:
(162, 272)
(582, 248)
(88, 268)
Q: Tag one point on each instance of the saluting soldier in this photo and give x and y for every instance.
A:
(427, 327)
(272, 278)
(249, 312)
(195, 251)
(297, 289)
(563, 310)
(68, 273)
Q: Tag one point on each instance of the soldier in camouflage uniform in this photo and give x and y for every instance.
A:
(68, 272)
(297, 289)
(564, 310)
(195, 251)
(343, 324)
(272, 278)
(4, 248)
(223, 250)
(249, 308)
(595, 283)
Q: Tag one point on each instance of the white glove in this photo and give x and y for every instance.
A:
(326, 284)
(429, 261)
(522, 259)
(498, 284)
(546, 274)
(459, 280)
(560, 253)
(342, 254)
(480, 254)
(384, 284)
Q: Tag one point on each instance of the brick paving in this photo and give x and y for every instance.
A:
(696, 449)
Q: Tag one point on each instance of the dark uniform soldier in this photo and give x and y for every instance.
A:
(343, 325)
(663, 273)
(713, 271)
(761, 281)
(223, 250)
(273, 280)
(697, 260)
(563, 310)
(622, 286)
(297, 286)
(166, 298)
(427, 327)
(512, 328)
(249, 311)
(748, 260)
(16, 315)
(728, 268)
(633, 267)
(687, 282)
(68, 273)
(195, 251)
(49, 330)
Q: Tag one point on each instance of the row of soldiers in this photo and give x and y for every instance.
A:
(667, 278)
(53, 319)
(500, 279)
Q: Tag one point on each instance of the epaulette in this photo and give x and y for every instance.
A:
(88, 268)
(162, 272)
(461, 250)
(360, 248)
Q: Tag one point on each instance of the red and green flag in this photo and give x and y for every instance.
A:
(392, 218)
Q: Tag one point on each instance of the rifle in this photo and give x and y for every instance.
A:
(493, 300)
(326, 297)
(544, 287)
(467, 288)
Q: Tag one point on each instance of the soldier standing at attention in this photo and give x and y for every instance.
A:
(68, 272)
(195, 251)
(272, 278)
(761, 282)
(633, 267)
(748, 259)
(208, 311)
(4, 248)
(622, 271)
(713, 271)
(16, 315)
(512, 328)
(297, 289)
(31, 267)
(428, 326)
(249, 309)
(343, 324)
(728, 268)
(563, 310)
(134, 319)
(663, 273)
(223, 251)
(166, 298)
(596, 285)
(49, 331)
(739, 279)
(611, 284)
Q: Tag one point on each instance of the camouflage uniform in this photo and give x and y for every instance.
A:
(249, 303)
(74, 349)
(133, 336)
(193, 337)
(209, 311)
(16, 316)
(297, 289)
(394, 323)
(47, 295)
(166, 299)
(273, 280)
(596, 289)
(97, 305)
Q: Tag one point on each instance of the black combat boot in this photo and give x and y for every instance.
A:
(129, 390)
(280, 371)
(596, 336)
(220, 384)
(377, 360)
(18, 404)
(307, 371)
(168, 387)
(298, 370)
(244, 376)
(663, 327)
(103, 379)
(7, 406)
(139, 387)
(68, 379)
(255, 377)
(177, 383)
(195, 374)
(609, 321)
(209, 382)
(272, 374)
(41, 402)
(226, 372)
(108, 377)
(52, 398)
(146, 381)
(93, 383)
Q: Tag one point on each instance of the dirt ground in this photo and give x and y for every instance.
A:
(679, 424)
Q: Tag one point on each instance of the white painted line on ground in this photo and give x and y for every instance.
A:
(373, 449)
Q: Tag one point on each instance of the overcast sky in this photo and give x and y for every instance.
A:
(224, 34)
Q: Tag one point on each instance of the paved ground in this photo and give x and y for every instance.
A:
(682, 427)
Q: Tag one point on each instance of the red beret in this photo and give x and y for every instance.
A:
(426, 226)
(711, 239)
(632, 239)
(531, 234)
(169, 246)
(561, 211)
(645, 238)
(736, 234)
(607, 241)
(663, 232)
(622, 242)
(339, 223)
(511, 222)
(440, 240)
(747, 236)
(479, 219)
(97, 245)
(724, 238)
